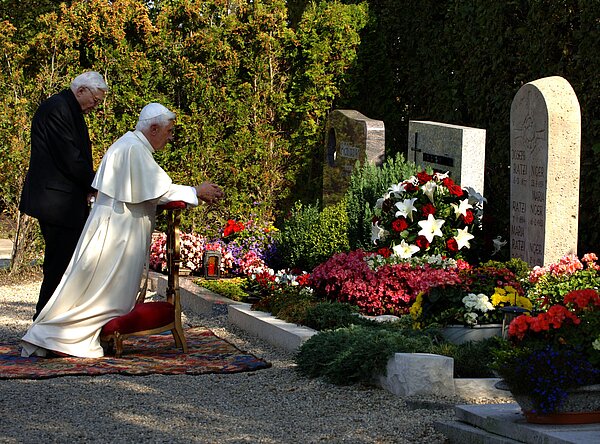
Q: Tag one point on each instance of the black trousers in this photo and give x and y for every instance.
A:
(60, 245)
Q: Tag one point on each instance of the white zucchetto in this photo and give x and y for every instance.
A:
(153, 110)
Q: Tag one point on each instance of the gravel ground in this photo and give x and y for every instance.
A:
(274, 405)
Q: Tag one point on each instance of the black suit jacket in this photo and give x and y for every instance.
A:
(60, 169)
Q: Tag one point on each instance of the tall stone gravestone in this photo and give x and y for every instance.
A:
(351, 137)
(458, 150)
(545, 145)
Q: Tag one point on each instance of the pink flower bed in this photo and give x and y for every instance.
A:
(391, 289)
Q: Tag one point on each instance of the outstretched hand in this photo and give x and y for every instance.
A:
(209, 192)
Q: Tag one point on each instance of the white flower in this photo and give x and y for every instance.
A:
(479, 302)
(397, 189)
(441, 176)
(379, 203)
(498, 244)
(405, 250)
(470, 318)
(462, 208)
(596, 344)
(431, 227)
(429, 189)
(463, 237)
(376, 232)
(406, 208)
(475, 198)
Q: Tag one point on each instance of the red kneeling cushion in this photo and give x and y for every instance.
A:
(145, 316)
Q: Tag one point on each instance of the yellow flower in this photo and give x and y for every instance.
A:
(416, 310)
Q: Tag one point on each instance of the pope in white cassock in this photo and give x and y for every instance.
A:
(104, 275)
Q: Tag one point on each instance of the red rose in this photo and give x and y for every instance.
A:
(399, 224)
(452, 245)
(468, 218)
(428, 209)
(456, 190)
(447, 182)
(422, 242)
(409, 187)
(385, 252)
(424, 177)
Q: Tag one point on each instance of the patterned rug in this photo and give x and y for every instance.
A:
(145, 355)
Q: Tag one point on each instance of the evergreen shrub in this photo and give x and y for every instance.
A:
(355, 354)
(331, 315)
(367, 184)
(309, 236)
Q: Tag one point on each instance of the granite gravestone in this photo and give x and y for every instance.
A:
(351, 137)
(545, 146)
(458, 150)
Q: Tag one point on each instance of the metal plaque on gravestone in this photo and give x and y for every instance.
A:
(351, 137)
(545, 146)
(458, 150)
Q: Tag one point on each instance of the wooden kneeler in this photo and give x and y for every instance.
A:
(149, 318)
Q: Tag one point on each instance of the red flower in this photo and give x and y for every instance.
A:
(456, 190)
(452, 245)
(424, 177)
(385, 252)
(583, 298)
(428, 209)
(468, 217)
(399, 224)
(232, 227)
(410, 187)
(422, 242)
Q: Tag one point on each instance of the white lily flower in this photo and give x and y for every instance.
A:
(462, 208)
(397, 189)
(404, 250)
(431, 227)
(475, 198)
(406, 208)
(442, 176)
(429, 189)
(376, 232)
(463, 237)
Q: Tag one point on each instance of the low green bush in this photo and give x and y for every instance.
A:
(331, 315)
(229, 288)
(288, 303)
(309, 237)
(355, 354)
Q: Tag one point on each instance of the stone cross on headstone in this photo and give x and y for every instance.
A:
(545, 146)
(351, 137)
(459, 150)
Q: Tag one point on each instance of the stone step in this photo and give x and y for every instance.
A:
(499, 423)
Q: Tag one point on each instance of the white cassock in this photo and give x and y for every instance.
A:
(103, 278)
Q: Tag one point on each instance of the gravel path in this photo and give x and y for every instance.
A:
(274, 405)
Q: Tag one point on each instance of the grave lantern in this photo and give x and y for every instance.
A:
(212, 264)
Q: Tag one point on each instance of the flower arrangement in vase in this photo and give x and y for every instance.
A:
(427, 214)
(549, 355)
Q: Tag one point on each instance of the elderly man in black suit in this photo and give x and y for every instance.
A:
(57, 187)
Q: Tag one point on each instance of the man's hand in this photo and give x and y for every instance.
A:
(209, 192)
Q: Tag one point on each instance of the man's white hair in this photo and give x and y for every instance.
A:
(90, 79)
(154, 114)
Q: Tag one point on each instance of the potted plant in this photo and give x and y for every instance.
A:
(551, 361)
(471, 310)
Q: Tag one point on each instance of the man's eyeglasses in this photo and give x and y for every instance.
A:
(97, 100)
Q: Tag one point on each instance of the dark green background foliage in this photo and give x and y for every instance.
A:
(252, 83)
